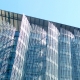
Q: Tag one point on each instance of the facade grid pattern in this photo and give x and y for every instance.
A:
(37, 49)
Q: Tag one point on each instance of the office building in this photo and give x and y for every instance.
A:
(39, 49)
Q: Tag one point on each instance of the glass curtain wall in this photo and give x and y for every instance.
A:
(52, 53)
(36, 54)
(7, 33)
(13, 18)
(76, 55)
(65, 61)
(22, 46)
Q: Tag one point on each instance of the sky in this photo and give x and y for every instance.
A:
(61, 11)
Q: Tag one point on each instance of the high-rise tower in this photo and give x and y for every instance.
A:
(38, 49)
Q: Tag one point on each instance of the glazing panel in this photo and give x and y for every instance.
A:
(41, 22)
(15, 24)
(65, 55)
(3, 13)
(15, 15)
(6, 43)
(19, 16)
(0, 12)
(0, 18)
(6, 14)
(3, 19)
(11, 15)
(36, 21)
(7, 20)
(19, 24)
(32, 20)
(11, 21)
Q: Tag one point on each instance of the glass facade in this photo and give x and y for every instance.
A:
(37, 49)
(52, 53)
(7, 46)
(36, 54)
(76, 56)
(65, 61)
(13, 18)
(21, 49)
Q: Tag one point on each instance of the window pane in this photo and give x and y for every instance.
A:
(41, 22)
(6, 14)
(28, 18)
(11, 21)
(0, 12)
(7, 20)
(0, 19)
(45, 23)
(36, 21)
(15, 16)
(11, 15)
(19, 24)
(3, 13)
(19, 16)
(15, 24)
(3, 19)
(32, 20)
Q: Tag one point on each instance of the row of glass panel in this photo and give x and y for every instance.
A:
(14, 22)
(19, 17)
(10, 15)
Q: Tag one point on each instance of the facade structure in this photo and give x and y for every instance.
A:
(38, 49)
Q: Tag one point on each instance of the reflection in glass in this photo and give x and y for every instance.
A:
(65, 62)
(6, 45)
(52, 53)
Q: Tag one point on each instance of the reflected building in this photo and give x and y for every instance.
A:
(37, 49)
